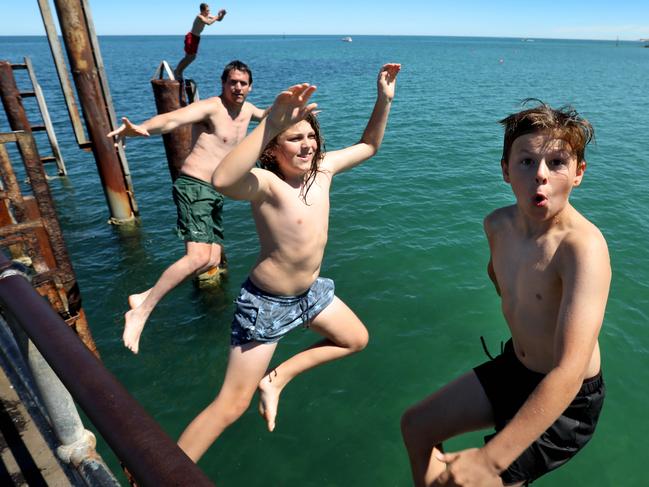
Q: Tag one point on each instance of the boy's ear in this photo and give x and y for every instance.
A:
(505, 167)
(579, 175)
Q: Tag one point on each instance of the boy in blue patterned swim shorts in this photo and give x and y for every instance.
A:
(289, 196)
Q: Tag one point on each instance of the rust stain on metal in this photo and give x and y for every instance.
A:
(177, 143)
(31, 230)
(85, 75)
(11, 99)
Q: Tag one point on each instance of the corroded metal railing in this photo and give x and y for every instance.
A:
(149, 454)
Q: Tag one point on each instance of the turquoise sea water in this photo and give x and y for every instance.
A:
(406, 247)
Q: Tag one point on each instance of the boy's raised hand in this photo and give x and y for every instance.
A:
(128, 129)
(388, 79)
(291, 106)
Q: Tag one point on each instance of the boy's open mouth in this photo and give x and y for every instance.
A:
(540, 199)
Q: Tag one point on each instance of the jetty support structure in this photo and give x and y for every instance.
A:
(89, 77)
(147, 452)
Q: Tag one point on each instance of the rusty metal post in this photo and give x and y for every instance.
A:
(177, 143)
(41, 190)
(50, 241)
(16, 210)
(11, 99)
(137, 440)
(84, 72)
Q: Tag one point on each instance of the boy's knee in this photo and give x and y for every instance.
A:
(360, 341)
(357, 342)
(235, 409)
(200, 260)
(240, 406)
(215, 256)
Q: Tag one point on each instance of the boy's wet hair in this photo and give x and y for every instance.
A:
(268, 161)
(203, 7)
(564, 123)
(238, 66)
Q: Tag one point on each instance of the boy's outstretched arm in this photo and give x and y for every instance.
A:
(585, 279)
(341, 160)
(166, 122)
(233, 176)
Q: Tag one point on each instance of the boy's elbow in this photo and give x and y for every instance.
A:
(373, 149)
(370, 147)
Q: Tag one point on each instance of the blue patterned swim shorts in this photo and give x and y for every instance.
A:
(263, 317)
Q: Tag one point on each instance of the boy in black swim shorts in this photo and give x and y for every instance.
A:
(508, 384)
(551, 268)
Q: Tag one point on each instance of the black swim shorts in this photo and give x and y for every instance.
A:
(508, 384)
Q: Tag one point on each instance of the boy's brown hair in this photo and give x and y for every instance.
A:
(564, 123)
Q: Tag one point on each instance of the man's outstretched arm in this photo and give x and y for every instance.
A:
(166, 122)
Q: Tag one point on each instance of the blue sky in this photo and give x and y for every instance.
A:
(572, 19)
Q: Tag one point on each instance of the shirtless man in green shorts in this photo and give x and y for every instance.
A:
(226, 118)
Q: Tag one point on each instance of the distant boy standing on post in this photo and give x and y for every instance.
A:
(550, 266)
(193, 37)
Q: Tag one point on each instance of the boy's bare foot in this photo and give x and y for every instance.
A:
(269, 391)
(133, 326)
(134, 300)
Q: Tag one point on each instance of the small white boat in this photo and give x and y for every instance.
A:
(346, 39)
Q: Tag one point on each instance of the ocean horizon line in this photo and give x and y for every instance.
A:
(523, 38)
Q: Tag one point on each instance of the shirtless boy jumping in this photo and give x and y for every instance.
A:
(225, 119)
(289, 196)
(193, 37)
(551, 268)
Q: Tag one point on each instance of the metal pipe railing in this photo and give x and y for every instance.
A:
(150, 455)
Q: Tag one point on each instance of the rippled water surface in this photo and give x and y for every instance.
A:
(406, 247)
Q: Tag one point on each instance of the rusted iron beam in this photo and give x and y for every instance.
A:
(41, 191)
(15, 219)
(26, 233)
(108, 100)
(11, 187)
(22, 242)
(61, 70)
(178, 142)
(84, 72)
(138, 441)
(11, 99)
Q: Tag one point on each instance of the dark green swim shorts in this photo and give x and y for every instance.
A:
(199, 210)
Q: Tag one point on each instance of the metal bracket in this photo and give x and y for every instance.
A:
(15, 269)
(164, 65)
